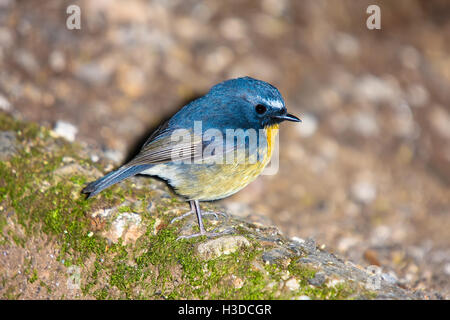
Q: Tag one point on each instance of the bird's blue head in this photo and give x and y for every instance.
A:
(248, 103)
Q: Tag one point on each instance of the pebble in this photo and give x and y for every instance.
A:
(67, 159)
(131, 80)
(308, 126)
(94, 157)
(346, 45)
(269, 26)
(65, 130)
(219, 59)
(125, 226)
(57, 61)
(114, 155)
(297, 239)
(104, 213)
(403, 121)
(440, 120)
(365, 124)
(375, 89)
(93, 73)
(188, 29)
(292, 284)
(233, 29)
(224, 245)
(274, 7)
(390, 278)
(27, 61)
(238, 283)
(202, 12)
(363, 192)
(410, 57)
(8, 144)
(447, 269)
(5, 105)
(380, 234)
(417, 95)
(346, 243)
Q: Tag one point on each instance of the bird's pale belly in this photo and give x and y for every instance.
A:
(206, 182)
(218, 181)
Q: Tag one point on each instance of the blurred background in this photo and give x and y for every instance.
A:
(367, 173)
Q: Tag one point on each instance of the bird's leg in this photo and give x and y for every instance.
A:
(200, 225)
(203, 213)
(199, 217)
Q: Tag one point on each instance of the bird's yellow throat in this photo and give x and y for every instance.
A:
(271, 133)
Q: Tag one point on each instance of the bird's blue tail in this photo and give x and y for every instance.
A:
(111, 178)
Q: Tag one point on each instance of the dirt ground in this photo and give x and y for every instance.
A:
(367, 172)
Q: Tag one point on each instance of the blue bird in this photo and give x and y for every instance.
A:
(213, 147)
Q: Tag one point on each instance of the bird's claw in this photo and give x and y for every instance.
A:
(207, 213)
(181, 217)
(208, 234)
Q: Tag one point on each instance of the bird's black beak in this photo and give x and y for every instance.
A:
(288, 117)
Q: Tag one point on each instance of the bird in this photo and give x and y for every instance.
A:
(212, 147)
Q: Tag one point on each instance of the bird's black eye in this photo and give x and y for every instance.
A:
(260, 109)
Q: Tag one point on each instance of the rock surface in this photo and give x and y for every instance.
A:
(8, 144)
(55, 244)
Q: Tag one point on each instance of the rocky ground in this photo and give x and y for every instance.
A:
(55, 244)
(366, 174)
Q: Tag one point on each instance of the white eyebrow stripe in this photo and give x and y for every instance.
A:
(274, 103)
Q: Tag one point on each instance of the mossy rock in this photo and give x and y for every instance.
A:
(55, 244)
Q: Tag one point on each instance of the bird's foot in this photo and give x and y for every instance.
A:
(181, 217)
(208, 234)
(206, 213)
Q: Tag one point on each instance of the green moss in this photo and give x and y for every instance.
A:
(53, 210)
(79, 180)
(46, 286)
(10, 293)
(33, 277)
(125, 209)
(101, 294)
(24, 131)
(300, 271)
